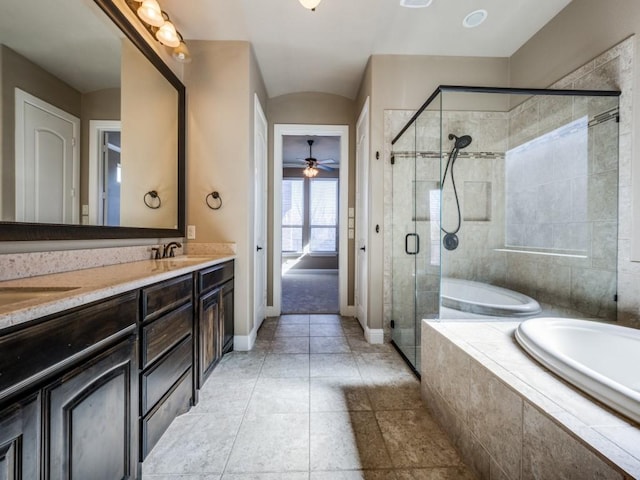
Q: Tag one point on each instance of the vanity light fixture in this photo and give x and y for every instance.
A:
(158, 23)
(310, 4)
(151, 13)
(167, 34)
(181, 52)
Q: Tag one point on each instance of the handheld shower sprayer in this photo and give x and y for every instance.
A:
(461, 142)
(450, 240)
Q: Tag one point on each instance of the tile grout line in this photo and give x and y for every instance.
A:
(309, 417)
(244, 414)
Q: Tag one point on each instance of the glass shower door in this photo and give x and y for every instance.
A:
(405, 246)
(416, 232)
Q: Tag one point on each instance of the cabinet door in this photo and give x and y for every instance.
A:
(90, 416)
(210, 331)
(227, 313)
(20, 440)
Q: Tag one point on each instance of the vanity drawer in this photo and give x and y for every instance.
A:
(166, 296)
(177, 401)
(36, 352)
(160, 378)
(163, 333)
(211, 277)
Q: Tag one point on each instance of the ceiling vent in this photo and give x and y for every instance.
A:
(415, 3)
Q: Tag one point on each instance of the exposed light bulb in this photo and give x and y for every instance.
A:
(181, 53)
(151, 13)
(167, 35)
(310, 4)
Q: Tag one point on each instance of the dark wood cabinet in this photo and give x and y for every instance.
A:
(68, 394)
(211, 329)
(228, 316)
(87, 393)
(20, 440)
(90, 418)
(215, 317)
(167, 352)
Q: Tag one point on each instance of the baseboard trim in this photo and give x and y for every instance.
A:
(374, 336)
(272, 311)
(348, 311)
(244, 343)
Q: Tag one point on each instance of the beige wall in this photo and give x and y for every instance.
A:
(98, 105)
(221, 83)
(17, 71)
(405, 82)
(149, 143)
(311, 109)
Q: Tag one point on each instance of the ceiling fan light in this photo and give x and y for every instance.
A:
(310, 4)
(310, 172)
(150, 12)
(167, 35)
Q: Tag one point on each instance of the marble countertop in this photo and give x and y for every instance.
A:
(79, 287)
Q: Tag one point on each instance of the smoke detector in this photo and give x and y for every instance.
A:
(415, 3)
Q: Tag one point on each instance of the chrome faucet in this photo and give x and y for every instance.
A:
(168, 249)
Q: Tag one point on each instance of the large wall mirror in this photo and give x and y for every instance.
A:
(92, 126)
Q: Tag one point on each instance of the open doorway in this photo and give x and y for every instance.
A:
(310, 219)
(104, 173)
(310, 206)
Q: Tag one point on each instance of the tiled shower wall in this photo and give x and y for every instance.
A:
(562, 180)
(576, 286)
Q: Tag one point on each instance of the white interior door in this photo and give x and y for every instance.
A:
(47, 173)
(362, 215)
(260, 215)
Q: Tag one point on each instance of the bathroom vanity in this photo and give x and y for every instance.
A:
(91, 376)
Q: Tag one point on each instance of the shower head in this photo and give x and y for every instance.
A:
(461, 142)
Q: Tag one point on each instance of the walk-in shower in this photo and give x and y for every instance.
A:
(515, 189)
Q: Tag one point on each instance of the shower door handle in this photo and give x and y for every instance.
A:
(417, 244)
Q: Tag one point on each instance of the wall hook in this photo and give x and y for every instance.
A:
(214, 196)
(152, 199)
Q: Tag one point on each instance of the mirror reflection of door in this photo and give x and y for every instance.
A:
(111, 178)
(46, 166)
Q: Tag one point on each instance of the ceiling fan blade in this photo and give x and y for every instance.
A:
(325, 168)
(327, 160)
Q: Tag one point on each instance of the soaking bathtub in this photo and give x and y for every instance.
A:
(599, 358)
(481, 300)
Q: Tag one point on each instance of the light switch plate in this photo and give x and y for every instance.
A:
(351, 223)
(351, 234)
(191, 232)
(352, 212)
(85, 209)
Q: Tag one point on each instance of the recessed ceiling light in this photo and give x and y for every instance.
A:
(415, 3)
(475, 18)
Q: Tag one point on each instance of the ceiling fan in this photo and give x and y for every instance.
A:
(312, 165)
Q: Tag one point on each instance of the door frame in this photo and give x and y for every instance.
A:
(342, 131)
(96, 129)
(260, 209)
(362, 217)
(22, 98)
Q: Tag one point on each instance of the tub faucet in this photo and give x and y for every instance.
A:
(168, 250)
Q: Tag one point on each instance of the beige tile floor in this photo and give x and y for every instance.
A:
(312, 401)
